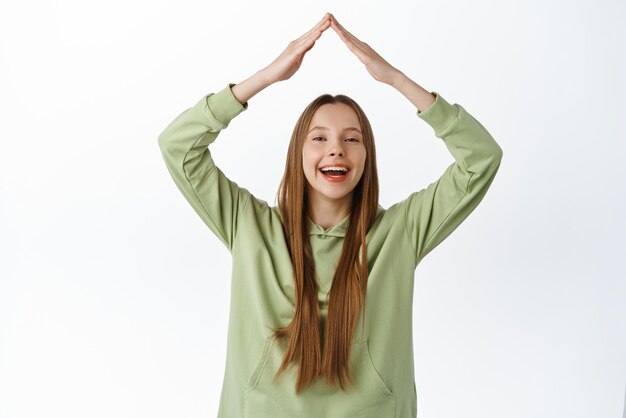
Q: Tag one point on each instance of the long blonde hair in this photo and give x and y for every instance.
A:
(349, 285)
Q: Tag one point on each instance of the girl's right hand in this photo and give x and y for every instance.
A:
(287, 63)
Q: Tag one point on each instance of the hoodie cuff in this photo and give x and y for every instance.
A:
(224, 105)
(439, 115)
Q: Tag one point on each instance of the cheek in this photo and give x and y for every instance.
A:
(308, 167)
(362, 160)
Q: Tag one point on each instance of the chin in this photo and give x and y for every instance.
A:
(336, 196)
(330, 191)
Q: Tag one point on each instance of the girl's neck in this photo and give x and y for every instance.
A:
(328, 213)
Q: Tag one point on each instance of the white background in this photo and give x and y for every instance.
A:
(113, 293)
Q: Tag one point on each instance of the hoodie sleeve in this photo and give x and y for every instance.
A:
(433, 213)
(184, 146)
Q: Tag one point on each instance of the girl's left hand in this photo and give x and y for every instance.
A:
(380, 69)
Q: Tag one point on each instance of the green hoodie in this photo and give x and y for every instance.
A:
(262, 285)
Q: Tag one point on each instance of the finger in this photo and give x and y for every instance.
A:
(363, 51)
(301, 47)
(313, 34)
(340, 29)
(358, 48)
(352, 45)
(321, 24)
(317, 31)
(308, 45)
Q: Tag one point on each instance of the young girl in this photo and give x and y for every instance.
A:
(322, 285)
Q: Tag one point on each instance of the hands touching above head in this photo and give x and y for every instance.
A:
(284, 66)
(380, 69)
(290, 60)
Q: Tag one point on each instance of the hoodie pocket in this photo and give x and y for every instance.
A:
(371, 398)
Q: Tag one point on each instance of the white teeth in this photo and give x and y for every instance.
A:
(335, 169)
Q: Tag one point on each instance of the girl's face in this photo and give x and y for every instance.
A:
(333, 140)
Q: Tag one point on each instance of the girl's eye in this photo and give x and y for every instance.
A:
(316, 138)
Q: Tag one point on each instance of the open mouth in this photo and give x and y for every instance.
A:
(335, 173)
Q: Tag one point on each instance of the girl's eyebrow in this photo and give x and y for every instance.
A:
(351, 128)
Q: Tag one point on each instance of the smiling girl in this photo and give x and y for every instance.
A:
(322, 283)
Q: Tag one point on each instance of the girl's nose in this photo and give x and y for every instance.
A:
(336, 149)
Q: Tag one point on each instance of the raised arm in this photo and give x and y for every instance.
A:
(382, 71)
(433, 213)
(284, 66)
(184, 143)
(184, 147)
